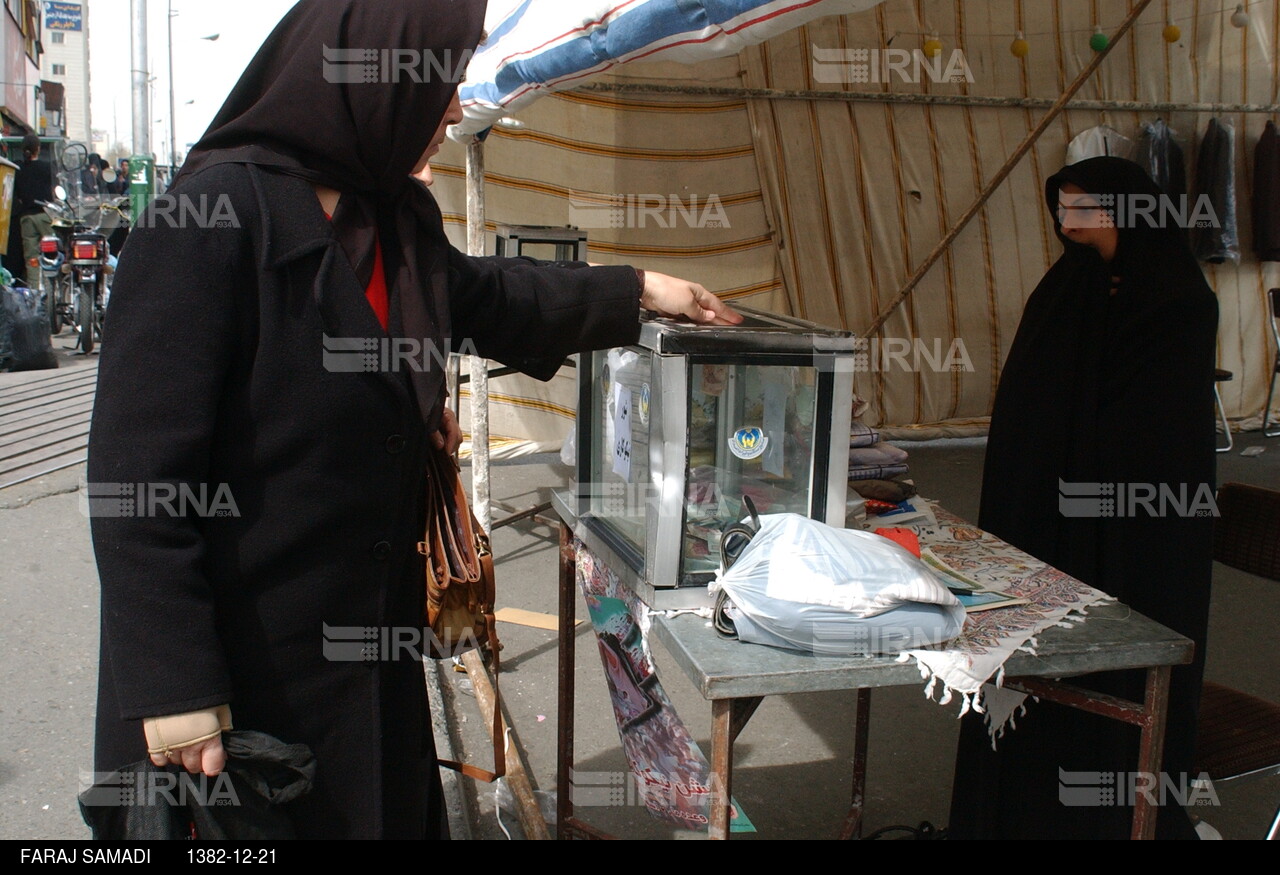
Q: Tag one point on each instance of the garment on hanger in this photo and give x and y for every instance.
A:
(1266, 195)
(1099, 142)
(1216, 238)
(1161, 156)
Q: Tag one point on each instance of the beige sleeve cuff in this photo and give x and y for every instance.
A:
(176, 731)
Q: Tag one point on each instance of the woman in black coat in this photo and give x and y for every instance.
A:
(297, 465)
(1109, 381)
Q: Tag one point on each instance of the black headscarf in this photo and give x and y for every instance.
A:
(291, 113)
(358, 138)
(1101, 388)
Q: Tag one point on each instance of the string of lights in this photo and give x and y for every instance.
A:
(1020, 47)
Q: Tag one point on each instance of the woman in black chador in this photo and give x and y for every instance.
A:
(234, 370)
(1109, 381)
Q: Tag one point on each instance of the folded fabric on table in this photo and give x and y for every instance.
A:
(877, 454)
(877, 472)
(892, 491)
(861, 435)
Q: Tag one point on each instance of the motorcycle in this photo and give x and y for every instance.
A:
(76, 260)
(55, 286)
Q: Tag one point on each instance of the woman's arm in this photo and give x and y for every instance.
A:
(532, 315)
(173, 336)
(677, 298)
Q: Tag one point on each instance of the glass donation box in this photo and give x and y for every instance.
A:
(675, 431)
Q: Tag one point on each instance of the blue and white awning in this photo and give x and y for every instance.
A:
(538, 47)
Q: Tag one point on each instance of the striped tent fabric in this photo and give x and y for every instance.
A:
(822, 208)
(539, 47)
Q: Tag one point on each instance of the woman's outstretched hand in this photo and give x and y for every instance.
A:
(677, 298)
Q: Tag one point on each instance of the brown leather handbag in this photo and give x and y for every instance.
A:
(460, 588)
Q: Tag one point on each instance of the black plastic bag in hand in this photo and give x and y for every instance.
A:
(144, 802)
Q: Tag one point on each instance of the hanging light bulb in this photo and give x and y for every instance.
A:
(1020, 48)
(1240, 18)
(1172, 33)
(933, 46)
(1098, 42)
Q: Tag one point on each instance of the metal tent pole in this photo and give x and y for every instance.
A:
(913, 99)
(479, 366)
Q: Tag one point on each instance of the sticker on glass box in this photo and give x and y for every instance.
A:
(644, 404)
(748, 443)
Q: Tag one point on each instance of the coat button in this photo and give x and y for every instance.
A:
(381, 550)
(396, 444)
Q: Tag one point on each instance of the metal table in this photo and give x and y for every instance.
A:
(735, 678)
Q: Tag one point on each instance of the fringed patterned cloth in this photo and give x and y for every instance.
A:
(669, 774)
(989, 638)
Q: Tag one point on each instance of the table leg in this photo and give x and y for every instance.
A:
(852, 827)
(743, 709)
(1151, 752)
(565, 684)
(721, 768)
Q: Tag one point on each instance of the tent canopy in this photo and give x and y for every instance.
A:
(822, 208)
(539, 47)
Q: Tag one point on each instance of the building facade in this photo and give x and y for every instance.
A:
(20, 51)
(66, 62)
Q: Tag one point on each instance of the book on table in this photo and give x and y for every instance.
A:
(973, 595)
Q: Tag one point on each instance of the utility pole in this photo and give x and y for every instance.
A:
(141, 103)
(173, 124)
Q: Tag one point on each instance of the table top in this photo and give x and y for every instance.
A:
(1113, 638)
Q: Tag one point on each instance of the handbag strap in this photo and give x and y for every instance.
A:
(460, 569)
(497, 732)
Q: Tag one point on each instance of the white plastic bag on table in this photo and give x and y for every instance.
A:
(803, 585)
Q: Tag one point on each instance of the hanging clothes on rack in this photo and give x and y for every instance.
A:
(1266, 195)
(1161, 156)
(1216, 239)
(1099, 142)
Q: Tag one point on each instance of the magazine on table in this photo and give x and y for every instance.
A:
(973, 595)
(912, 512)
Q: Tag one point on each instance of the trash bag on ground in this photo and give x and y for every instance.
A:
(25, 342)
